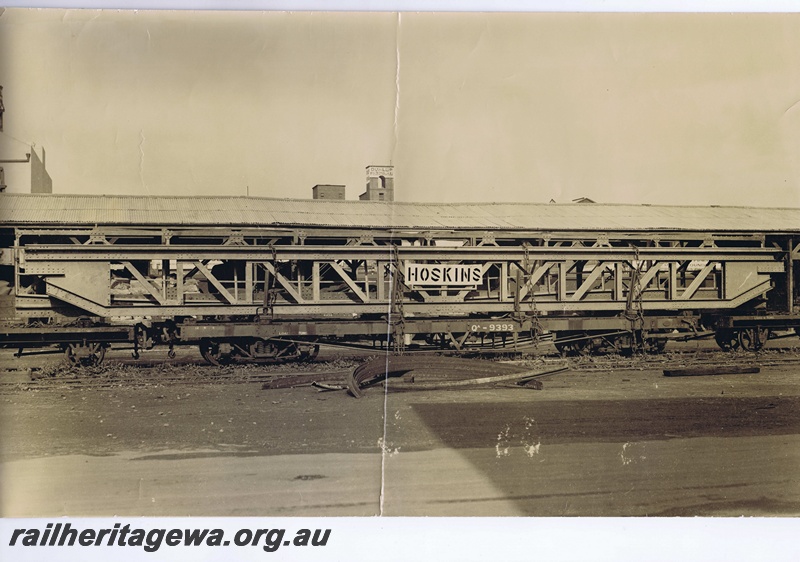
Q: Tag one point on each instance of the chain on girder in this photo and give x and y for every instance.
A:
(396, 315)
(536, 329)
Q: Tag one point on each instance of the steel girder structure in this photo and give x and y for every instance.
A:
(314, 275)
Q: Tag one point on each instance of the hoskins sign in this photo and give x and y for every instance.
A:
(443, 274)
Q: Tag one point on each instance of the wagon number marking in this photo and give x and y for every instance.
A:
(493, 328)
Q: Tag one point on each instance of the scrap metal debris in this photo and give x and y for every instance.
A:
(437, 373)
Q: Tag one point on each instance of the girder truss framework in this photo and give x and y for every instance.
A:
(123, 272)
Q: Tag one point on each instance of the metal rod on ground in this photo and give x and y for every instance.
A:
(520, 377)
(393, 366)
(704, 371)
(305, 379)
(45, 352)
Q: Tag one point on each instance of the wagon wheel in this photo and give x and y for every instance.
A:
(574, 348)
(753, 339)
(727, 340)
(656, 345)
(308, 352)
(212, 352)
(85, 354)
(624, 344)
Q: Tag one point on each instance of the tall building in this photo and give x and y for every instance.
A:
(380, 184)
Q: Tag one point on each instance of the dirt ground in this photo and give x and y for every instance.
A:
(596, 441)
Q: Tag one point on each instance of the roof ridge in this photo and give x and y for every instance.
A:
(585, 206)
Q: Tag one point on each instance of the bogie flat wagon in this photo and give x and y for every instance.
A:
(254, 278)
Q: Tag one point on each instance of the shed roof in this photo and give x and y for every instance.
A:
(78, 210)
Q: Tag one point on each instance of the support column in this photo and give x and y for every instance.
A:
(673, 280)
(315, 281)
(381, 269)
(179, 282)
(248, 282)
(503, 281)
(562, 281)
(790, 278)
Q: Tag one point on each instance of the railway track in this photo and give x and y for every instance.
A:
(117, 374)
(699, 358)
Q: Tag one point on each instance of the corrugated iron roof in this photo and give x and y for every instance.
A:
(52, 209)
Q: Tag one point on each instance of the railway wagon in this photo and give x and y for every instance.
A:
(248, 278)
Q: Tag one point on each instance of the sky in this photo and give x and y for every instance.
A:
(689, 109)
